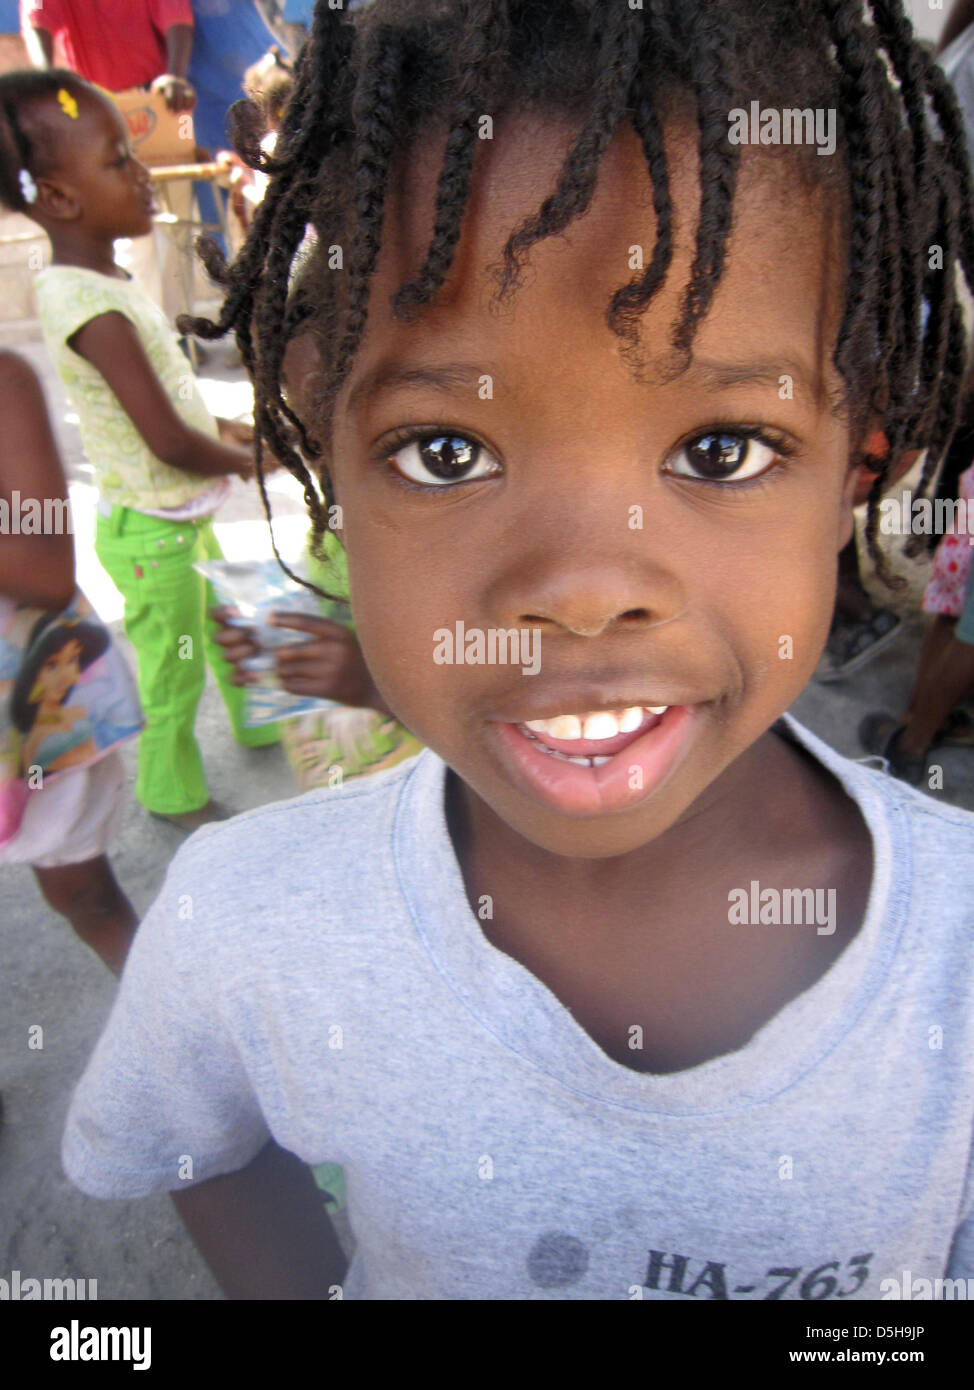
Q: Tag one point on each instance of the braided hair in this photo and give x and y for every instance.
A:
(368, 86)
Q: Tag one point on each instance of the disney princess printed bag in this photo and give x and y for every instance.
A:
(67, 698)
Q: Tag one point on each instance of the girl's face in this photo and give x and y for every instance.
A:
(96, 167)
(664, 542)
(60, 672)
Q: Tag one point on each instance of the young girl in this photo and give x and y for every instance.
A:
(68, 823)
(160, 467)
(627, 986)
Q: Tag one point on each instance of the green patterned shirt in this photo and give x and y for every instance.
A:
(127, 473)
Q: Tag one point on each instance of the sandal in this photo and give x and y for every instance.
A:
(851, 645)
(957, 730)
(878, 733)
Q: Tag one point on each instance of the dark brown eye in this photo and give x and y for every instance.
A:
(722, 456)
(443, 458)
(448, 458)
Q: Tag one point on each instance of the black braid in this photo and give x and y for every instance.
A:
(374, 116)
(711, 54)
(861, 75)
(619, 44)
(629, 303)
(258, 282)
(484, 37)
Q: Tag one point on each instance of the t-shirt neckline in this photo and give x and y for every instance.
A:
(526, 1018)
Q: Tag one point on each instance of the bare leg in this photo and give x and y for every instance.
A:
(852, 603)
(88, 895)
(944, 678)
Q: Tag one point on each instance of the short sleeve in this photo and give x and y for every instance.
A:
(69, 303)
(41, 14)
(165, 1101)
(166, 13)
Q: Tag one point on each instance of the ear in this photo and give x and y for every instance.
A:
(57, 200)
(859, 481)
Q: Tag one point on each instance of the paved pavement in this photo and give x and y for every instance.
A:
(139, 1249)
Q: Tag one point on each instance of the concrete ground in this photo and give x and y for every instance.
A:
(139, 1249)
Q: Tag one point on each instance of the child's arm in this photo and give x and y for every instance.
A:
(34, 569)
(112, 345)
(264, 1231)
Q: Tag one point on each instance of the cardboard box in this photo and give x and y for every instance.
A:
(158, 135)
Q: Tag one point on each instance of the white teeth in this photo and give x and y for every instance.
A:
(631, 719)
(599, 725)
(566, 726)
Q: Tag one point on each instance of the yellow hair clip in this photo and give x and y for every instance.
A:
(67, 103)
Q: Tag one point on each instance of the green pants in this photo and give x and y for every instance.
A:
(166, 602)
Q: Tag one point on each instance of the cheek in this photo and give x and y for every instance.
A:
(778, 620)
(398, 600)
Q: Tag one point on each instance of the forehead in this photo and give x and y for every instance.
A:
(69, 649)
(779, 296)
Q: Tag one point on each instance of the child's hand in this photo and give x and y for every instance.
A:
(235, 431)
(238, 643)
(331, 667)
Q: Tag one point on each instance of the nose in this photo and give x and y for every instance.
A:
(590, 578)
(595, 598)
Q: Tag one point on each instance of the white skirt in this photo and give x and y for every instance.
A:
(71, 819)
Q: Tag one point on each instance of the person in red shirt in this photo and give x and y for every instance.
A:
(116, 43)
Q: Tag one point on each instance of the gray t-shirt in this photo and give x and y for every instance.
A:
(312, 970)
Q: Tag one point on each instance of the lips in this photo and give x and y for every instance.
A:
(592, 777)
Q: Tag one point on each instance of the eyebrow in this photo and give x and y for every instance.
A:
(389, 376)
(446, 377)
(766, 371)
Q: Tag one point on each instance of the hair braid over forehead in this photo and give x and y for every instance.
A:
(369, 87)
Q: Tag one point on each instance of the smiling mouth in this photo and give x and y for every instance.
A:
(592, 738)
(597, 762)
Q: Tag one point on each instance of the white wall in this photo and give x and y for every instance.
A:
(928, 16)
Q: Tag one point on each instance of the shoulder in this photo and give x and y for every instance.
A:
(922, 846)
(325, 855)
(68, 296)
(57, 281)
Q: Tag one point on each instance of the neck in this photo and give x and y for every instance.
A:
(713, 829)
(87, 251)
